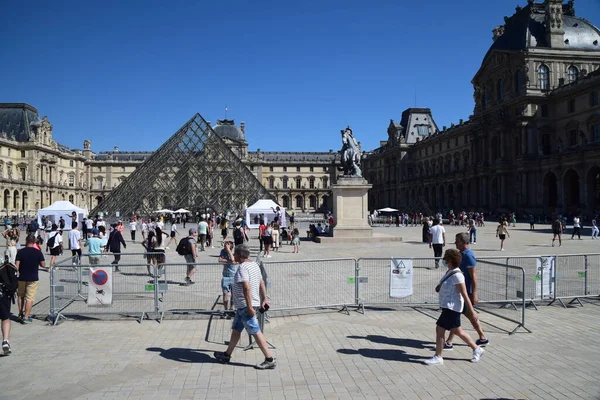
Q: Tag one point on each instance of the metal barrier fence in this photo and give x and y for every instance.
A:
(505, 285)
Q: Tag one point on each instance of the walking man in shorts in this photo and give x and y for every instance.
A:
(28, 260)
(249, 293)
(557, 229)
(467, 266)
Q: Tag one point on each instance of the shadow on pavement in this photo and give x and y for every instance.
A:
(184, 355)
(404, 342)
(385, 354)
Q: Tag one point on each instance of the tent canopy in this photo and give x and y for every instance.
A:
(62, 209)
(164, 211)
(182, 210)
(263, 209)
(387, 209)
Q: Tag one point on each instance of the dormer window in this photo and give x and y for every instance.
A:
(572, 74)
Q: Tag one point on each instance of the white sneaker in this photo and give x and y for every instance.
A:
(269, 256)
(167, 248)
(477, 353)
(435, 360)
(501, 249)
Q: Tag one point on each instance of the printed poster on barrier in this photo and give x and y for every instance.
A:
(100, 284)
(401, 281)
(544, 278)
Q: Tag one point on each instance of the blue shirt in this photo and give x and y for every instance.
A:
(468, 261)
(94, 245)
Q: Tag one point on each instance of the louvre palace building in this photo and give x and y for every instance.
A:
(532, 144)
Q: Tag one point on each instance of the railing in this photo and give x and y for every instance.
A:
(506, 286)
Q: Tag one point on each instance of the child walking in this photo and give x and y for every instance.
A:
(296, 240)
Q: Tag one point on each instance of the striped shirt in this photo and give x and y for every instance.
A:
(248, 271)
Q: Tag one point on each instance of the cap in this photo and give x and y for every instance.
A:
(95, 231)
(192, 231)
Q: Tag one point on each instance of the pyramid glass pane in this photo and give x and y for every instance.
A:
(194, 169)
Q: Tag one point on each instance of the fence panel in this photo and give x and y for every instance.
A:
(133, 291)
(310, 283)
(201, 296)
(374, 278)
(577, 276)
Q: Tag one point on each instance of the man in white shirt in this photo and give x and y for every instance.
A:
(576, 227)
(202, 232)
(89, 224)
(100, 222)
(75, 243)
(132, 229)
(437, 240)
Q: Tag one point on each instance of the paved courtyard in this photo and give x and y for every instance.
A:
(320, 353)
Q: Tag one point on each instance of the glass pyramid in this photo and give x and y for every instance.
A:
(194, 169)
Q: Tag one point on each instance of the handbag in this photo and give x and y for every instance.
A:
(438, 287)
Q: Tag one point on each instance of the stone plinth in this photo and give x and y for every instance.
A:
(351, 208)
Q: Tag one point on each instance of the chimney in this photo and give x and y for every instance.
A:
(554, 23)
(497, 31)
(116, 149)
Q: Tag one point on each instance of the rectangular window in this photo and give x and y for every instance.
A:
(285, 183)
(595, 133)
(270, 169)
(311, 183)
(312, 169)
(99, 169)
(325, 182)
(284, 169)
(593, 99)
(324, 169)
(298, 183)
(423, 130)
(22, 171)
(546, 144)
(71, 180)
(572, 106)
(456, 141)
(297, 169)
(22, 153)
(572, 137)
(544, 110)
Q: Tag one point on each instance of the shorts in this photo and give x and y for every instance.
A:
(55, 251)
(449, 319)
(502, 236)
(5, 303)
(172, 234)
(243, 320)
(28, 290)
(94, 260)
(556, 232)
(267, 240)
(224, 232)
(226, 283)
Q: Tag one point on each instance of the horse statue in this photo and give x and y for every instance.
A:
(351, 155)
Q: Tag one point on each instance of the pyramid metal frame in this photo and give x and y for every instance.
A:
(193, 169)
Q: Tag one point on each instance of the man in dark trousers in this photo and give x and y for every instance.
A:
(115, 240)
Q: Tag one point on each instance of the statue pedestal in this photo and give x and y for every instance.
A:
(351, 208)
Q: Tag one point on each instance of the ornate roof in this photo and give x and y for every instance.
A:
(226, 128)
(16, 120)
(527, 29)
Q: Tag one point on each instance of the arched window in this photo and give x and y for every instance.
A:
(6, 199)
(544, 77)
(500, 89)
(16, 200)
(299, 202)
(24, 201)
(518, 81)
(286, 202)
(572, 74)
(312, 201)
(71, 198)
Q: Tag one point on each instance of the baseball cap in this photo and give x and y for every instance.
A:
(95, 231)
(192, 231)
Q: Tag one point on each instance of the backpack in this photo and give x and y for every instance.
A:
(556, 225)
(8, 280)
(183, 248)
(51, 241)
(238, 236)
(33, 226)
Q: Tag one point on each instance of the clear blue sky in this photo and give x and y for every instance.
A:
(130, 73)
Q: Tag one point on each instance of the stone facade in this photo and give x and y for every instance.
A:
(533, 142)
(35, 170)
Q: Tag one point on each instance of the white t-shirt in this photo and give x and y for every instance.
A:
(132, 226)
(161, 225)
(202, 228)
(450, 297)
(100, 223)
(576, 222)
(74, 237)
(173, 227)
(57, 238)
(248, 271)
(89, 224)
(144, 227)
(437, 233)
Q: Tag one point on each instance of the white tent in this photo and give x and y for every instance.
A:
(182, 211)
(263, 209)
(387, 210)
(62, 209)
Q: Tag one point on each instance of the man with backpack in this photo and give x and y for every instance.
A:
(238, 234)
(27, 262)
(115, 240)
(8, 288)
(33, 227)
(187, 249)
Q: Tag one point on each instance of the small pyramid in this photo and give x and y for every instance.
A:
(194, 169)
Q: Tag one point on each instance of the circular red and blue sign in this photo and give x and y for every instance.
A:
(100, 277)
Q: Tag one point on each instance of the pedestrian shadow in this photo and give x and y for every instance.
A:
(385, 354)
(194, 356)
(403, 342)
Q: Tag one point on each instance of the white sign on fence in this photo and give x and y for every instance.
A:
(100, 284)
(401, 281)
(544, 278)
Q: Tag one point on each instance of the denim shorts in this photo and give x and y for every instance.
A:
(226, 283)
(243, 320)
